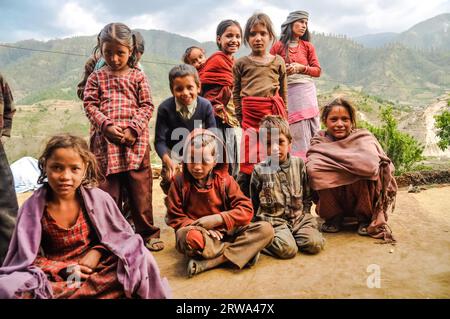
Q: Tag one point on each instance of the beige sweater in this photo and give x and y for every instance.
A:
(257, 79)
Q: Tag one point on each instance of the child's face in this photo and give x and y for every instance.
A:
(259, 39)
(299, 27)
(138, 56)
(279, 148)
(65, 171)
(197, 58)
(185, 90)
(338, 122)
(230, 40)
(201, 162)
(116, 55)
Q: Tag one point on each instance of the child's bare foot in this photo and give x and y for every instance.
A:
(195, 267)
(154, 244)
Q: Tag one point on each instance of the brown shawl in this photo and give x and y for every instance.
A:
(359, 156)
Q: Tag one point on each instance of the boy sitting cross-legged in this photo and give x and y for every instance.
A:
(210, 214)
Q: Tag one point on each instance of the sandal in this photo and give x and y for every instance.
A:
(151, 244)
(362, 228)
(330, 228)
(333, 225)
(194, 267)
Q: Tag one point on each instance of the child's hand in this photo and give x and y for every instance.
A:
(78, 271)
(215, 234)
(113, 133)
(129, 137)
(209, 222)
(294, 68)
(91, 259)
(171, 167)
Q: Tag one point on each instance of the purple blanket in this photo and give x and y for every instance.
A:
(137, 270)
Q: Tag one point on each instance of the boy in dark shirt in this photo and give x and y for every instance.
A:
(177, 117)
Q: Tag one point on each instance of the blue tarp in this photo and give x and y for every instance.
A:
(26, 173)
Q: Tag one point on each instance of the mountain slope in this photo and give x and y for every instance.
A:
(430, 35)
(394, 72)
(376, 40)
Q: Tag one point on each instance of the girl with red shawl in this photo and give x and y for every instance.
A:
(260, 89)
(216, 77)
(351, 174)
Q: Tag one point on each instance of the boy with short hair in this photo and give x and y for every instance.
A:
(281, 195)
(184, 111)
(209, 212)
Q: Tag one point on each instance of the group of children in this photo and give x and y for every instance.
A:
(221, 212)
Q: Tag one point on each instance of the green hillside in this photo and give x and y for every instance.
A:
(404, 75)
(431, 34)
(34, 125)
(393, 72)
(376, 40)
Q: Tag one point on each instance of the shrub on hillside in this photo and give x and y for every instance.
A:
(404, 151)
(443, 129)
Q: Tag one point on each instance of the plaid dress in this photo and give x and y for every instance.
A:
(64, 247)
(124, 101)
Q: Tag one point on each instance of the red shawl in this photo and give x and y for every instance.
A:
(254, 108)
(216, 77)
(218, 69)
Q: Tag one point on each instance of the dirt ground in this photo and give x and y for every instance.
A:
(418, 266)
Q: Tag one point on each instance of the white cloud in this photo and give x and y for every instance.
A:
(147, 21)
(198, 19)
(77, 21)
(400, 15)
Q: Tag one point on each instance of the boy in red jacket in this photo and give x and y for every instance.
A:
(210, 214)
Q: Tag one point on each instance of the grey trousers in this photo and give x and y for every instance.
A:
(305, 237)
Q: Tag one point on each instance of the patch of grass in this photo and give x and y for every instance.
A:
(34, 125)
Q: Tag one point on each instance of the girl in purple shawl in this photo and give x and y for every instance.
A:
(71, 241)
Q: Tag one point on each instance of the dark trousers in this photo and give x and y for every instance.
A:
(8, 204)
(354, 200)
(243, 181)
(138, 184)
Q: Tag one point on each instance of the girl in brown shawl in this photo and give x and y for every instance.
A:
(351, 173)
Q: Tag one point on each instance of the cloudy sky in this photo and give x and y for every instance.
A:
(49, 19)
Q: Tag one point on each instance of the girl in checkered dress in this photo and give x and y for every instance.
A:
(118, 103)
